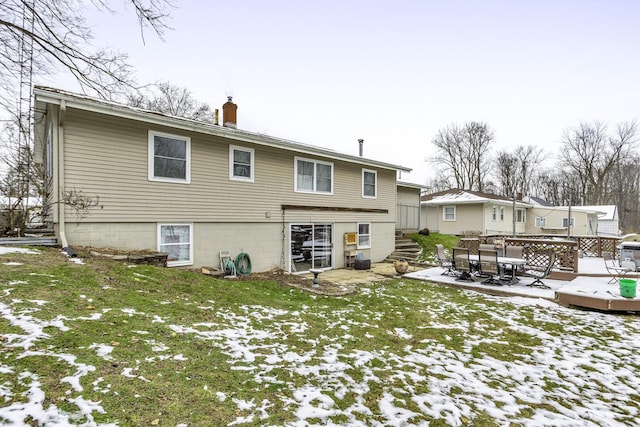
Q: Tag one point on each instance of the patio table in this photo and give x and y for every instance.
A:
(504, 261)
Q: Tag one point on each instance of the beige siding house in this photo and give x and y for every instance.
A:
(192, 189)
(461, 211)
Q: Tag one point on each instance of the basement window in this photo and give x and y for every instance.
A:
(176, 241)
(364, 235)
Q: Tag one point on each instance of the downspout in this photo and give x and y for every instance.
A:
(60, 183)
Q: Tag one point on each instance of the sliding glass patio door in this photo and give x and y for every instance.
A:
(311, 246)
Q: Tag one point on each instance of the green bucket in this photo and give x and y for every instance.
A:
(627, 288)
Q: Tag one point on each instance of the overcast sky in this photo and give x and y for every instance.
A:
(395, 72)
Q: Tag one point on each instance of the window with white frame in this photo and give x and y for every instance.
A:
(449, 213)
(364, 235)
(520, 215)
(565, 221)
(501, 213)
(169, 157)
(176, 240)
(241, 163)
(541, 221)
(494, 213)
(313, 176)
(369, 183)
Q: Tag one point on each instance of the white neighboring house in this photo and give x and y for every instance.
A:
(608, 220)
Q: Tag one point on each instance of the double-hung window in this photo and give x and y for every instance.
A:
(541, 221)
(449, 213)
(313, 176)
(565, 221)
(494, 213)
(241, 163)
(520, 215)
(169, 158)
(369, 183)
(501, 213)
(176, 240)
(364, 235)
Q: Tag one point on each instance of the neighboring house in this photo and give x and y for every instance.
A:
(608, 221)
(461, 211)
(554, 220)
(192, 189)
(458, 211)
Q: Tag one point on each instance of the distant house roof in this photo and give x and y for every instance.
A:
(607, 212)
(536, 201)
(456, 196)
(82, 102)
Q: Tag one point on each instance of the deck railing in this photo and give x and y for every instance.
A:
(535, 248)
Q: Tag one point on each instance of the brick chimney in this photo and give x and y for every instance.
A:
(229, 110)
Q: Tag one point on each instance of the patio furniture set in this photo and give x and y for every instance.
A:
(491, 268)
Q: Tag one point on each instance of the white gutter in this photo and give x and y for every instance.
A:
(60, 158)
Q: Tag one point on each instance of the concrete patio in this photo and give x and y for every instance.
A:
(588, 288)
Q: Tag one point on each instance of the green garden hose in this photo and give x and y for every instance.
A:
(243, 264)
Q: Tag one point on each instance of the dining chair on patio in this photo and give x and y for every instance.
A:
(489, 267)
(462, 265)
(539, 273)
(512, 251)
(616, 271)
(445, 262)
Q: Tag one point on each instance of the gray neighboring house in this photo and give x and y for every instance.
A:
(192, 189)
(608, 219)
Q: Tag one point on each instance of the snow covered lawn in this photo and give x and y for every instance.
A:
(104, 344)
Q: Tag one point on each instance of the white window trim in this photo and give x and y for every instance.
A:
(375, 185)
(501, 213)
(541, 221)
(444, 213)
(151, 153)
(523, 217)
(159, 239)
(364, 246)
(315, 176)
(233, 177)
(565, 221)
(494, 213)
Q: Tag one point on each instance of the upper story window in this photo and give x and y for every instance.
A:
(494, 213)
(449, 213)
(520, 215)
(565, 221)
(541, 221)
(241, 163)
(169, 157)
(501, 213)
(369, 183)
(313, 176)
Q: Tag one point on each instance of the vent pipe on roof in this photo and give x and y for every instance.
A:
(229, 110)
(361, 142)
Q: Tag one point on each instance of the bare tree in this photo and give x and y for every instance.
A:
(58, 37)
(515, 171)
(171, 99)
(463, 152)
(591, 154)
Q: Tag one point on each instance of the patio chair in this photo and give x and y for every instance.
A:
(616, 272)
(513, 252)
(445, 262)
(461, 264)
(539, 273)
(489, 267)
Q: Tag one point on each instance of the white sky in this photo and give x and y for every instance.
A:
(395, 72)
